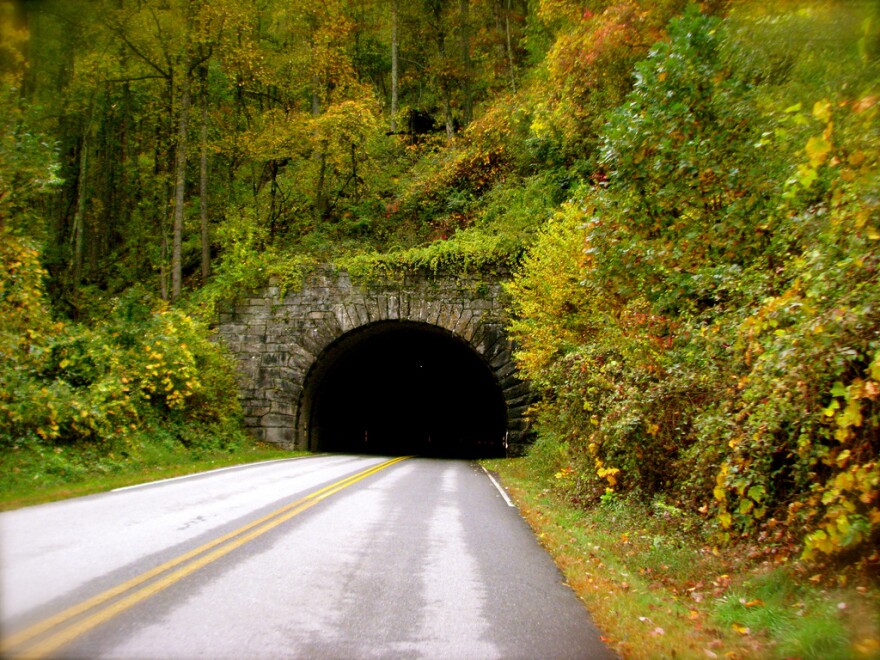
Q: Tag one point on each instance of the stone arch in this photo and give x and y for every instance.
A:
(280, 341)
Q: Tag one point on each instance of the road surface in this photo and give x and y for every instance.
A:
(319, 557)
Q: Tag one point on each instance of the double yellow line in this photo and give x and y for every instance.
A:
(47, 636)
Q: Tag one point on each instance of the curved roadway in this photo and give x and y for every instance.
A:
(319, 557)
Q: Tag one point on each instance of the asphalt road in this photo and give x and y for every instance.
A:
(320, 557)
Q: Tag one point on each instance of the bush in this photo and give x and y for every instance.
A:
(703, 320)
(68, 383)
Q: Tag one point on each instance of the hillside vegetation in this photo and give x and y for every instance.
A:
(687, 195)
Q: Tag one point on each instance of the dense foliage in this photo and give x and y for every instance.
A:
(704, 320)
(145, 372)
(688, 195)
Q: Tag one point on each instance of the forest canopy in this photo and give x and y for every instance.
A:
(686, 196)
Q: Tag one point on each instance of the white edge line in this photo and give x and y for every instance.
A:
(199, 474)
(498, 486)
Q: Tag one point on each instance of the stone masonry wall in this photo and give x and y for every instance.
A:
(277, 339)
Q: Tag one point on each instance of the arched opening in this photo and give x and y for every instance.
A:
(398, 387)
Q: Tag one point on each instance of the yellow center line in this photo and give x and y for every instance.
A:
(245, 534)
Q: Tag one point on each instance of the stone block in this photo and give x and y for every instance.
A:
(255, 409)
(276, 420)
(280, 436)
(393, 307)
(518, 412)
(382, 306)
(360, 310)
(283, 407)
(343, 319)
(517, 424)
(372, 307)
(520, 389)
(503, 371)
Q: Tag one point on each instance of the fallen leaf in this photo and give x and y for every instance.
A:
(742, 630)
(867, 647)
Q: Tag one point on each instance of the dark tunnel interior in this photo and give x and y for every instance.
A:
(401, 388)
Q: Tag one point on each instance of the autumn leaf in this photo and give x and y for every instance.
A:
(818, 148)
(822, 111)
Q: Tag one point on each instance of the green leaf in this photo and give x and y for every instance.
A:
(838, 389)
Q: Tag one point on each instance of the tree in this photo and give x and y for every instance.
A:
(395, 65)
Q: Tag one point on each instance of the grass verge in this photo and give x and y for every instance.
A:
(656, 591)
(35, 474)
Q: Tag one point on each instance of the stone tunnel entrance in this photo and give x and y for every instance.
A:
(403, 387)
(415, 363)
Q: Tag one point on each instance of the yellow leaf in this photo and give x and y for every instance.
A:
(742, 630)
(817, 149)
(822, 110)
(844, 481)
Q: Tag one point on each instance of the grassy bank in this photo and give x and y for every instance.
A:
(35, 474)
(656, 590)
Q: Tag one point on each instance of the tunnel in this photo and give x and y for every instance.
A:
(404, 388)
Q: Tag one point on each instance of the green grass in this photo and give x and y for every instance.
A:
(657, 590)
(34, 473)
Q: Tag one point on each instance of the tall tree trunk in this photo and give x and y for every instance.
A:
(180, 186)
(447, 110)
(316, 99)
(321, 202)
(76, 235)
(464, 10)
(163, 266)
(394, 66)
(203, 182)
(444, 83)
(510, 48)
(354, 172)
